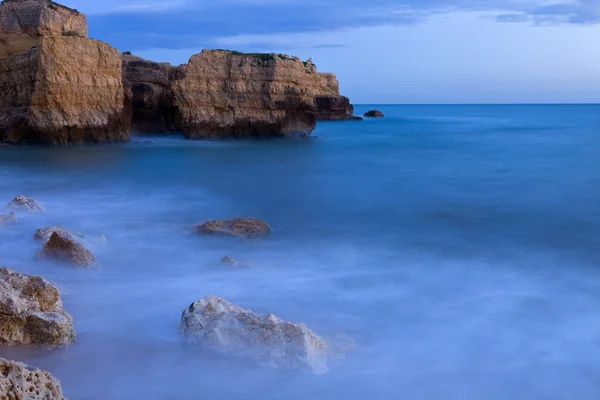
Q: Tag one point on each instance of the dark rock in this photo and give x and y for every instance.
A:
(152, 98)
(334, 108)
(374, 114)
(248, 228)
(235, 263)
(65, 248)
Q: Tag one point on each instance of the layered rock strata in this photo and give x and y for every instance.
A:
(58, 86)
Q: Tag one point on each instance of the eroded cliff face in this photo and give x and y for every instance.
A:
(227, 94)
(152, 99)
(24, 22)
(222, 93)
(66, 88)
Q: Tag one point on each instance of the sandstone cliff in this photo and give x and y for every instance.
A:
(64, 88)
(225, 93)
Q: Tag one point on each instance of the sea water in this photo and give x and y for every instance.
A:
(458, 245)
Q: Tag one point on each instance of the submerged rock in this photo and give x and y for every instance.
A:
(374, 114)
(31, 312)
(216, 324)
(235, 263)
(248, 228)
(44, 234)
(22, 382)
(6, 219)
(65, 248)
(22, 203)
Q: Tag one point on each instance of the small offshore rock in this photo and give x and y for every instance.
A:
(248, 228)
(31, 312)
(6, 219)
(235, 263)
(65, 248)
(22, 382)
(218, 325)
(374, 114)
(22, 203)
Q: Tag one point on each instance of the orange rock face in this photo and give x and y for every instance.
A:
(64, 88)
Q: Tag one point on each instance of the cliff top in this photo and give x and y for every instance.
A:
(50, 4)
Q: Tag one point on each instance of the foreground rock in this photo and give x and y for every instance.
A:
(248, 228)
(31, 312)
(22, 203)
(22, 382)
(57, 85)
(63, 247)
(6, 219)
(374, 114)
(216, 324)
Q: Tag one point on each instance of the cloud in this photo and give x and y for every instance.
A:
(196, 23)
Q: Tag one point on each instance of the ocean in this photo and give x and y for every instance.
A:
(458, 245)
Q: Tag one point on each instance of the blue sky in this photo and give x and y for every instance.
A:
(384, 51)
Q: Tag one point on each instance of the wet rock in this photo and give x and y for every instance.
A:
(248, 228)
(22, 203)
(374, 114)
(31, 312)
(6, 219)
(218, 325)
(65, 248)
(22, 382)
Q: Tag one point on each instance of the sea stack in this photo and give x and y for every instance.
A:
(58, 86)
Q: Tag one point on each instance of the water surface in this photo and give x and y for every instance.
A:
(458, 245)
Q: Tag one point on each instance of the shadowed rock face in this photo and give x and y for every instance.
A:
(22, 382)
(152, 99)
(334, 108)
(31, 312)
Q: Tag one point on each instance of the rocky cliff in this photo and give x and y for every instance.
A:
(225, 93)
(62, 89)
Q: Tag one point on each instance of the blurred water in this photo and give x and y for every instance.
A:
(457, 244)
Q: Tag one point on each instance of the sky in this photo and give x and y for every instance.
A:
(383, 51)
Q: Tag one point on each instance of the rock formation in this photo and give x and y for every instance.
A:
(63, 247)
(247, 228)
(374, 114)
(22, 382)
(61, 87)
(31, 312)
(25, 204)
(6, 219)
(58, 86)
(44, 235)
(235, 263)
(223, 93)
(216, 324)
(152, 99)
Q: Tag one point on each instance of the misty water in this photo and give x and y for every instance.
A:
(458, 245)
